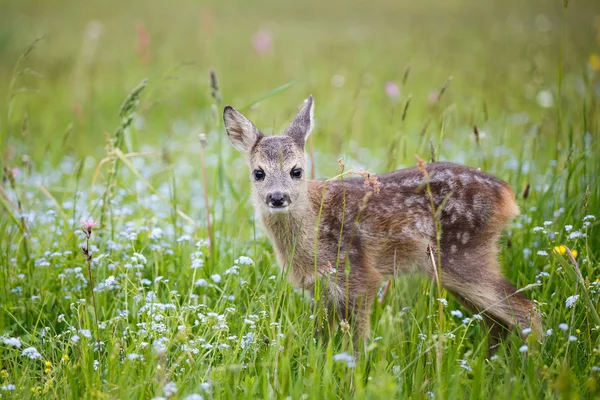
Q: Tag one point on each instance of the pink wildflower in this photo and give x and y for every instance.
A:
(263, 42)
(392, 90)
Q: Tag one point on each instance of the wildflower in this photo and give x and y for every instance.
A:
(8, 388)
(345, 326)
(247, 340)
(570, 302)
(568, 228)
(345, 357)
(562, 250)
(549, 332)
(526, 331)
(545, 99)
(201, 282)
(170, 389)
(465, 365)
(523, 348)
(595, 368)
(87, 225)
(443, 301)
(563, 327)
(75, 338)
(262, 41)
(216, 278)
(594, 62)
(85, 333)
(338, 81)
(32, 353)
(184, 238)
(243, 260)
(542, 253)
(576, 235)
(16, 342)
(572, 338)
(392, 91)
(193, 396)
(456, 313)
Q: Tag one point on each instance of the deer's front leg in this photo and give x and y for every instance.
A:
(354, 302)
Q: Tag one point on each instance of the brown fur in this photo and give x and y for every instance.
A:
(379, 235)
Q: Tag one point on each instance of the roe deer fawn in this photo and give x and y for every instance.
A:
(315, 225)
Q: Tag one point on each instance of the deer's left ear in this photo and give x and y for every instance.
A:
(302, 125)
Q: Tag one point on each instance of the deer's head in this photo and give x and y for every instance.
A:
(277, 163)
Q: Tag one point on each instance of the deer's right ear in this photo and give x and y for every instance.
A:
(242, 133)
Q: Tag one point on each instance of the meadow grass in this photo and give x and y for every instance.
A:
(181, 295)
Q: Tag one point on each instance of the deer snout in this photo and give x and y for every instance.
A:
(278, 200)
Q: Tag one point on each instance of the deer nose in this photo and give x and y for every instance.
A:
(278, 200)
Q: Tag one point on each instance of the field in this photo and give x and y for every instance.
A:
(101, 108)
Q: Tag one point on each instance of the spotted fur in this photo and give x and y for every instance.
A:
(329, 226)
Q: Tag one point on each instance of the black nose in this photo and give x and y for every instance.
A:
(278, 199)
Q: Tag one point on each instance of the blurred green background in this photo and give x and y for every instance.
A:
(501, 54)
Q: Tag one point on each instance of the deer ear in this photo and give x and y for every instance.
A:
(302, 125)
(242, 133)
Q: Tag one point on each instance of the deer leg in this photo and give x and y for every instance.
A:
(496, 329)
(487, 291)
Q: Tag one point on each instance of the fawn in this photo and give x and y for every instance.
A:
(317, 225)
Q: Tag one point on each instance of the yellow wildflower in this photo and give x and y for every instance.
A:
(47, 370)
(562, 250)
(65, 357)
(48, 364)
(594, 62)
(577, 331)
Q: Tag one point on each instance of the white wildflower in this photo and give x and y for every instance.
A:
(523, 348)
(170, 389)
(456, 313)
(32, 353)
(244, 260)
(563, 327)
(201, 282)
(576, 234)
(465, 365)
(13, 341)
(193, 396)
(345, 357)
(570, 302)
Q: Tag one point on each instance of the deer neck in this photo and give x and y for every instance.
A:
(292, 233)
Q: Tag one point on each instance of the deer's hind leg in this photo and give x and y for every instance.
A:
(478, 283)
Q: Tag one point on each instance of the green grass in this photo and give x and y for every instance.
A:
(250, 334)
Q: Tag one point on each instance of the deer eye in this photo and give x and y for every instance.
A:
(296, 173)
(259, 174)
